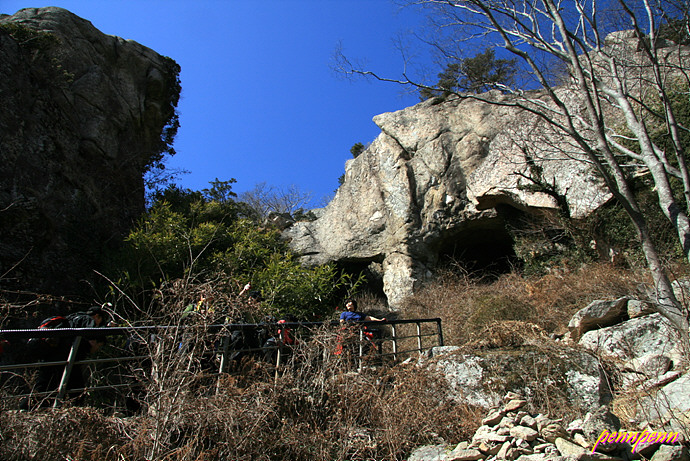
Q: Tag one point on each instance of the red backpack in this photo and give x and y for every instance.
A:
(57, 321)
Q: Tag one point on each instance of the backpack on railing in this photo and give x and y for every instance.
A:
(57, 321)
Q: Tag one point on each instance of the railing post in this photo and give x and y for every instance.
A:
(71, 358)
(224, 346)
(419, 336)
(279, 353)
(440, 332)
(361, 348)
(395, 342)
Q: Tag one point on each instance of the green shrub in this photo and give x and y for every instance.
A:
(28, 38)
(186, 236)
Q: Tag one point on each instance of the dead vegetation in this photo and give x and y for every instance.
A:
(319, 407)
(316, 407)
(468, 305)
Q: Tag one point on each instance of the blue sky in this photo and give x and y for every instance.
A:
(260, 102)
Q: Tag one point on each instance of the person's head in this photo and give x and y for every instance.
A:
(99, 316)
(351, 305)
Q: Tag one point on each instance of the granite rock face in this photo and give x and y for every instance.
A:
(84, 116)
(482, 377)
(439, 179)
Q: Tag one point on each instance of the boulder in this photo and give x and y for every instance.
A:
(597, 314)
(481, 378)
(84, 115)
(634, 339)
(667, 408)
(442, 177)
(281, 221)
(637, 308)
(597, 421)
(429, 453)
(649, 365)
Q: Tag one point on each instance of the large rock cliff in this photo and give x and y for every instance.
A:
(83, 116)
(440, 179)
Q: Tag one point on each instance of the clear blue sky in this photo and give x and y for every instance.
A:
(260, 102)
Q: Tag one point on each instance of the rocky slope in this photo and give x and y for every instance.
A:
(620, 366)
(84, 115)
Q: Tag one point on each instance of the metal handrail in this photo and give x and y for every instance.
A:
(94, 333)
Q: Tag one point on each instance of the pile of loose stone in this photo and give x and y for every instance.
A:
(510, 433)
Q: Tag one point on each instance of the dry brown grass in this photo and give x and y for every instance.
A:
(467, 306)
(319, 408)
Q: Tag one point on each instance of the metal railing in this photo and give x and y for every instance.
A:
(395, 340)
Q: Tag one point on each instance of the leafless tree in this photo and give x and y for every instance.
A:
(265, 199)
(612, 99)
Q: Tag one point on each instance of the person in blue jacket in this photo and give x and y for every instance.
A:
(370, 336)
(351, 314)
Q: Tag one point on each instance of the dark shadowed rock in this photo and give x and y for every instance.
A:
(83, 116)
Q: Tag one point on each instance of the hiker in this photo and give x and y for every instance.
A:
(351, 315)
(284, 340)
(57, 350)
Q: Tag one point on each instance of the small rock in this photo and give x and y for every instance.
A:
(543, 421)
(468, 454)
(574, 426)
(524, 450)
(598, 457)
(506, 452)
(523, 432)
(568, 448)
(492, 418)
(528, 421)
(487, 435)
(580, 440)
(489, 449)
(511, 396)
(544, 447)
(671, 453)
(508, 422)
(552, 432)
(514, 405)
(540, 457)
